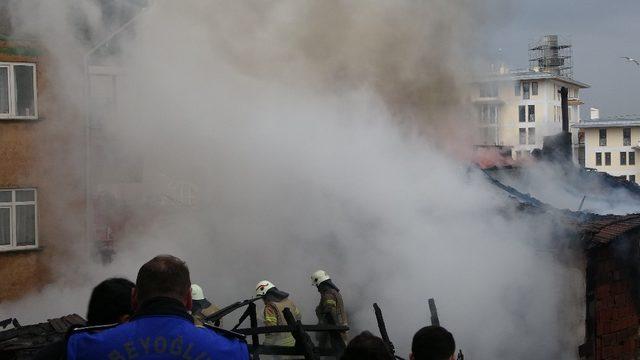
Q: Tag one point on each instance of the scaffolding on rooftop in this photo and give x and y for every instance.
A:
(551, 54)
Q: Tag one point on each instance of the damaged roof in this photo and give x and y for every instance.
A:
(603, 229)
(596, 230)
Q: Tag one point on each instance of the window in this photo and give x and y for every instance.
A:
(488, 90)
(523, 136)
(632, 158)
(632, 178)
(522, 111)
(534, 88)
(18, 220)
(603, 137)
(532, 113)
(532, 136)
(516, 89)
(525, 90)
(626, 136)
(623, 158)
(607, 159)
(598, 159)
(489, 113)
(18, 90)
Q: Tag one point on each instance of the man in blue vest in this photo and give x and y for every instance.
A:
(161, 327)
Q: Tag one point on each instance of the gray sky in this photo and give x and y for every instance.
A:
(601, 32)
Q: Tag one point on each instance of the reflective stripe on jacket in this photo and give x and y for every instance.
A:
(273, 315)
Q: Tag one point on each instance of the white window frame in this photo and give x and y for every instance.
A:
(12, 91)
(12, 219)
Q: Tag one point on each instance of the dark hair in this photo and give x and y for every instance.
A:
(164, 275)
(366, 346)
(109, 301)
(433, 343)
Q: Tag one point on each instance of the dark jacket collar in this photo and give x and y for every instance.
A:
(199, 305)
(327, 285)
(162, 306)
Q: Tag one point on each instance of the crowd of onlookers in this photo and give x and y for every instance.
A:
(151, 319)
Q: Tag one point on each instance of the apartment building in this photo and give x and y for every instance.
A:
(518, 108)
(610, 145)
(41, 184)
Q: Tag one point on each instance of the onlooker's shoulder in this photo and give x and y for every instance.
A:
(220, 333)
(94, 333)
(225, 341)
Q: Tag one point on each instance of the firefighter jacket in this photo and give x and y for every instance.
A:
(200, 314)
(161, 329)
(331, 307)
(330, 310)
(273, 316)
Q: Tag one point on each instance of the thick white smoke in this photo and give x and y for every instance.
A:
(300, 128)
(565, 188)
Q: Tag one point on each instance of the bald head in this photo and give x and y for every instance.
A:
(164, 275)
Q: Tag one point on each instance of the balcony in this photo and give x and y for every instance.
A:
(573, 101)
(487, 100)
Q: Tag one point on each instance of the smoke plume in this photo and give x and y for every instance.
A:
(273, 139)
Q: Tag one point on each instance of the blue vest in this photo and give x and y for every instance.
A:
(155, 337)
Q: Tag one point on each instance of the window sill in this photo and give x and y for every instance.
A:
(18, 250)
(16, 119)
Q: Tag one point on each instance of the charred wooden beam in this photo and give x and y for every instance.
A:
(435, 321)
(285, 328)
(383, 331)
(303, 341)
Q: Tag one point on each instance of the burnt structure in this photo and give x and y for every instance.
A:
(23, 342)
(612, 294)
(610, 245)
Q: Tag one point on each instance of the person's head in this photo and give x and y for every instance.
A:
(366, 346)
(165, 276)
(110, 302)
(433, 343)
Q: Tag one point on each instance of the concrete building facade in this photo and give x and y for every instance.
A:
(611, 145)
(518, 109)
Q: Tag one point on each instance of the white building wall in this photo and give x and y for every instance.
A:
(546, 121)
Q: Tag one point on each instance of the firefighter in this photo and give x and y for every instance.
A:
(201, 306)
(275, 301)
(330, 310)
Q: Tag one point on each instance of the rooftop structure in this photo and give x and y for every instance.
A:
(618, 121)
(551, 54)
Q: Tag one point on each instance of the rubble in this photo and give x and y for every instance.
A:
(23, 342)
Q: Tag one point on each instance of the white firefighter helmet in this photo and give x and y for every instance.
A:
(263, 286)
(196, 292)
(318, 277)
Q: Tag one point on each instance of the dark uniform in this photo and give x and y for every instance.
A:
(330, 310)
(161, 329)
